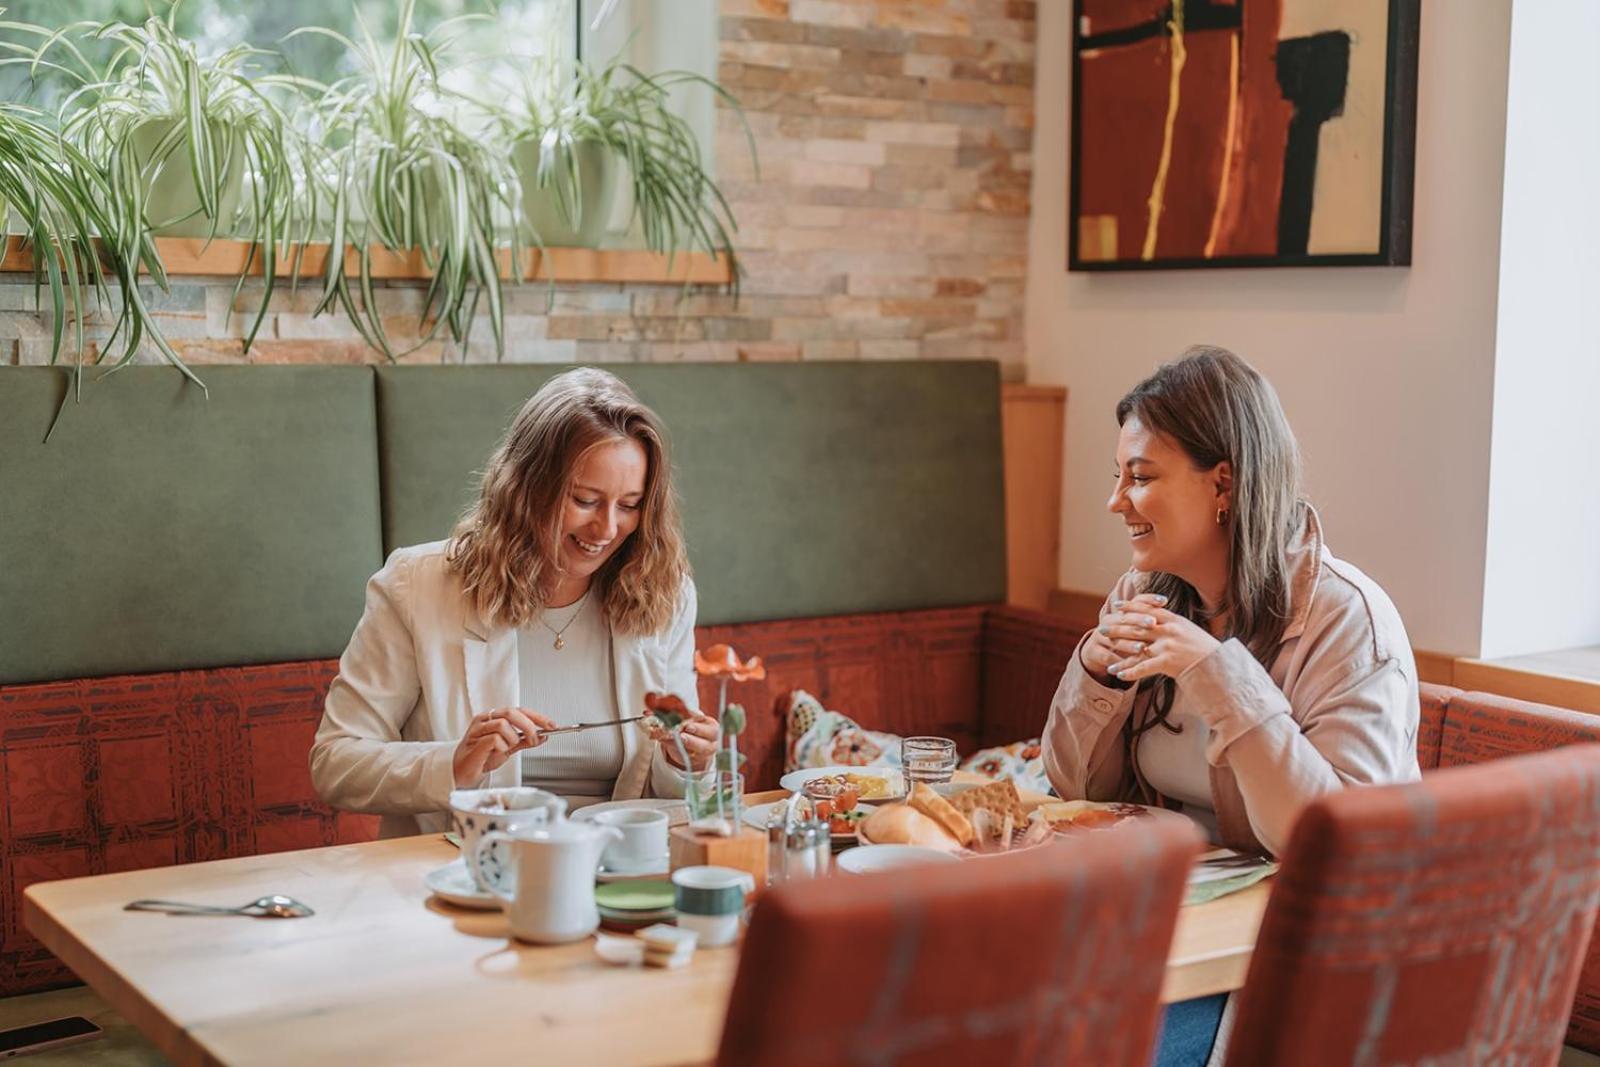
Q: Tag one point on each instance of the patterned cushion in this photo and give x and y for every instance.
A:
(1020, 761)
(817, 737)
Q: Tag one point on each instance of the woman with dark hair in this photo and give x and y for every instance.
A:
(1239, 670)
(563, 596)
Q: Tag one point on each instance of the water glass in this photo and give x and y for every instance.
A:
(715, 797)
(927, 759)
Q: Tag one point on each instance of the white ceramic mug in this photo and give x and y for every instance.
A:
(475, 812)
(710, 901)
(643, 844)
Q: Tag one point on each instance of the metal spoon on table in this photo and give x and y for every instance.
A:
(276, 906)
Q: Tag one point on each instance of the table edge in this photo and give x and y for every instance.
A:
(174, 1040)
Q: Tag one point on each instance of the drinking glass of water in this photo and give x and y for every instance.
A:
(927, 759)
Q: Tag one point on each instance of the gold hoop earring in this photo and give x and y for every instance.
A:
(1222, 516)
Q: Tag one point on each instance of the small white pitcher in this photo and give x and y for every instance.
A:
(551, 899)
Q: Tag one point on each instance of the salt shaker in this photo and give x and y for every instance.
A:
(777, 842)
(810, 850)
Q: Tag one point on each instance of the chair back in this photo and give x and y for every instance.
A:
(1443, 921)
(1053, 954)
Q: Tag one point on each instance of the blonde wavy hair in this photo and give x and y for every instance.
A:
(506, 548)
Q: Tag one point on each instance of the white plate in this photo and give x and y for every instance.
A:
(795, 779)
(453, 884)
(677, 814)
(756, 815)
(865, 859)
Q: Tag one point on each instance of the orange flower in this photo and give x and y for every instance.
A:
(721, 661)
(667, 702)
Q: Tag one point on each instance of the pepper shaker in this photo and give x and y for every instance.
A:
(810, 851)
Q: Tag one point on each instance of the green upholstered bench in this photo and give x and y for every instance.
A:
(178, 576)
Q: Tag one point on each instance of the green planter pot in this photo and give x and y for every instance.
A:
(542, 213)
(171, 203)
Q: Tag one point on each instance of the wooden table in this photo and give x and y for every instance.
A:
(383, 973)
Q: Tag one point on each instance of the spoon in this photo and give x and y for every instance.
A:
(276, 906)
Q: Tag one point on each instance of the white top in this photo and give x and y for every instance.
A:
(571, 684)
(422, 662)
(1175, 766)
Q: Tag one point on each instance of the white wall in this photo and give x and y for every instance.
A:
(1542, 584)
(1386, 373)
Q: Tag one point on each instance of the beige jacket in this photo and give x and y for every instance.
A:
(422, 662)
(1337, 707)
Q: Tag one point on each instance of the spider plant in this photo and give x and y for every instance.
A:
(176, 134)
(65, 204)
(627, 113)
(412, 174)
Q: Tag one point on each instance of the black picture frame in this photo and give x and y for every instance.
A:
(1399, 164)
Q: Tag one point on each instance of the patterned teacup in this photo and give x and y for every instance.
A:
(474, 812)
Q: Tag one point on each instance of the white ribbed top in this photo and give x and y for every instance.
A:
(1175, 766)
(571, 685)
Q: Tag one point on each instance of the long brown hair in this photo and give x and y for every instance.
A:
(506, 548)
(1215, 407)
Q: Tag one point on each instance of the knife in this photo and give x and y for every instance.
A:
(590, 725)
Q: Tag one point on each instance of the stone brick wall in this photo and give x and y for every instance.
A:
(889, 220)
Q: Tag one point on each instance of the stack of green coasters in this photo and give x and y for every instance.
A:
(636, 904)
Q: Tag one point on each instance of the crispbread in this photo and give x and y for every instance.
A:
(942, 812)
(1000, 797)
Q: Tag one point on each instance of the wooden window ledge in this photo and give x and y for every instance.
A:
(185, 256)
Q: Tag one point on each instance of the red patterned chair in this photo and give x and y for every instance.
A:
(1440, 922)
(1055, 955)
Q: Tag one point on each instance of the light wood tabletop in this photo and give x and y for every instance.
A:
(384, 973)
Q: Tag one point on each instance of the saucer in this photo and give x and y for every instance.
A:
(452, 883)
(657, 869)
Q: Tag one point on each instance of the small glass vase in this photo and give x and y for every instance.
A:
(715, 799)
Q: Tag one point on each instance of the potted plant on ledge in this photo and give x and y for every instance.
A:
(570, 137)
(189, 146)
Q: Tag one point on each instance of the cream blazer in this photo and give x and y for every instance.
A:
(422, 663)
(1337, 707)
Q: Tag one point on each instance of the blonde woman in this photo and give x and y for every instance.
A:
(563, 596)
(1239, 670)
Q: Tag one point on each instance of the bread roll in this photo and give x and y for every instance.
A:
(941, 811)
(901, 824)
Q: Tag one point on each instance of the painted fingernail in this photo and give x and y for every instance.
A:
(1118, 604)
(1160, 600)
(1147, 621)
(1104, 628)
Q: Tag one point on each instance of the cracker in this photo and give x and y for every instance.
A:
(1000, 797)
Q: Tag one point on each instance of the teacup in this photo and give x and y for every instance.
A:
(475, 812)
(710, 901)
(643, 844)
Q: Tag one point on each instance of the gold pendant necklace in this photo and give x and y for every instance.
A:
(561, 642)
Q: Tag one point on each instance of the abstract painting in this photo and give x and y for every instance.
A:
(1242, 133)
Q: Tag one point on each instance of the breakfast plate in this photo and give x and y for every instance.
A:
(756, 815)
(1073, 816)
(874, 784)
(453, 885)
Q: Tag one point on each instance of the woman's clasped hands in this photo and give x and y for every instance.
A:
(1139, 638)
